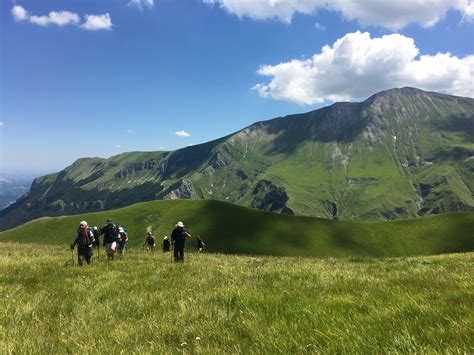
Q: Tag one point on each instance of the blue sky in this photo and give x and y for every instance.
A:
(152, 75)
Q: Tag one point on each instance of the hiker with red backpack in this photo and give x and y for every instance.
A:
(84, 241)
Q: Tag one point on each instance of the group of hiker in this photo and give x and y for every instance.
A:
(115, 239)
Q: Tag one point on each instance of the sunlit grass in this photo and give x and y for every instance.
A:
(222, 303)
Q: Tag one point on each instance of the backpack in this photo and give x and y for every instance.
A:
(84, 237)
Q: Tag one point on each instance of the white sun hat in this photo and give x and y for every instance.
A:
(83, 223)
(180, 224)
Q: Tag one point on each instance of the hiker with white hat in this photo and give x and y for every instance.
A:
(178, 238)
(122, 239)
(84, 241)
(111, 233)
(166, 244)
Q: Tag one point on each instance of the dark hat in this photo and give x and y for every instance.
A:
(110, 221)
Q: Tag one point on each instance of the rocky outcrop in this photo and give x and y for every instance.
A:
(181, 190)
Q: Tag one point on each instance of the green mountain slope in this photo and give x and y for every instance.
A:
(401, 153)
(228, 228)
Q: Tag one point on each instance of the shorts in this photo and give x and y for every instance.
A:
(111, 248)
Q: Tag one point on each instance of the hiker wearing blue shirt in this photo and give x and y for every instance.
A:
(122, 240)
(178, 238)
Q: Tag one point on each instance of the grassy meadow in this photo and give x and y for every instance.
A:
(217, 303)
(232, 229)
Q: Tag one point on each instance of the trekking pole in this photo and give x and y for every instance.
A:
(72, 257)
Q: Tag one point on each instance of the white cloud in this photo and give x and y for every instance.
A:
(131, 131)
(319, 27)
(2, 124)
(19, 13)
(117, 146)
(60, 18)
(142, 4)
(389, 14)
(97, 22)
(182, 133)
(469, 12)
(356, 66)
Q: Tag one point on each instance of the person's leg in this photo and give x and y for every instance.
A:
(181, 255)
(176, 254)
(110, 253)
(88, 255)
(80, 257)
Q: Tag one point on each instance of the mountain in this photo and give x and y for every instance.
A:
(401, 153)
(11, 189)
(228, 228)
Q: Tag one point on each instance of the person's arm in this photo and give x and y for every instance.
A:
(74, 243)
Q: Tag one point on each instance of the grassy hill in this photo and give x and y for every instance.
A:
(401, 153)
(228, 228)
(234, 304)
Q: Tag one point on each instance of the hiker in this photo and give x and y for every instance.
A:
(96, 233)
(110, 232)
(122, 240)
(166, 244)
(200, 244)
(149, 242)
(178, 238)
(84, 241)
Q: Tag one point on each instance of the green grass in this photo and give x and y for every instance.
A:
(228, 228)
(229, 304)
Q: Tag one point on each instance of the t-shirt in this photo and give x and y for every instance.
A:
(110, 234)
(178, 236)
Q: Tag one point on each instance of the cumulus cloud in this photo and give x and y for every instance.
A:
(60, 18)
(19, 13)
(1, 124)
(63, 18)
(182, 133)
(97, 22)
(356, 66)
(389, 14)
(142, 4)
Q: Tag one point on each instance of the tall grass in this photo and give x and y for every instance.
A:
(223, 303)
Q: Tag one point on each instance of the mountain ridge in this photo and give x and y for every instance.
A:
(400, 153)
